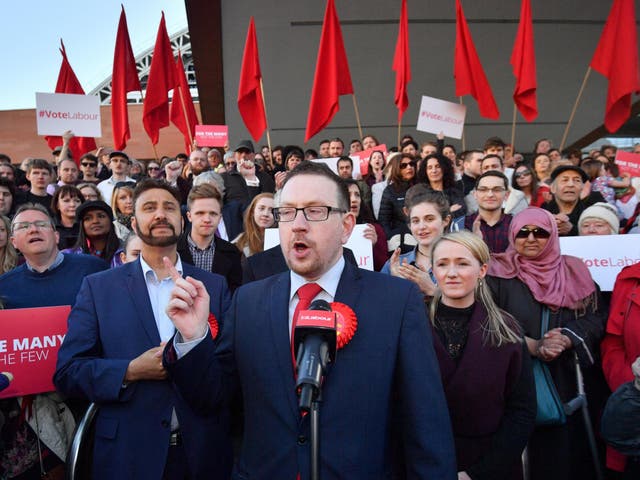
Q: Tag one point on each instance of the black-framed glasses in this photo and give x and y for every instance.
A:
(407, 164)
(153, 168)
(125, 184)
(315, 213)
(229, 164)
(89, 164)
(537, 232)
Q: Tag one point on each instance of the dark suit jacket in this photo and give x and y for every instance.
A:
(112, 323)
(236, 188)
(226, 260)
(232, 214)
(390, 356)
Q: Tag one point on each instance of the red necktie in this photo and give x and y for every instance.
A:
(306, 293)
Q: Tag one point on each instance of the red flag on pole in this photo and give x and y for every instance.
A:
(124, 79)
(616, 58)
(69, 83)
(332, 77)
(250, 100)
(523, 61)
(402, 63)
(468, 71)
(155, 114)
(183, 113)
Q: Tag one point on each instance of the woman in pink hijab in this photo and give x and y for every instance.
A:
(533, 276)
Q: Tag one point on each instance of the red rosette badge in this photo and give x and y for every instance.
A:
(347, 323)
(213, 325)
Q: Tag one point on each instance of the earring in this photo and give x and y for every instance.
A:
(480, 282)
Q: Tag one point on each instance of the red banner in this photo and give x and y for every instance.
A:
(29, 343)
(212, 135)
(628, 163)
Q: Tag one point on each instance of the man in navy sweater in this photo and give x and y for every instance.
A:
(47, 278)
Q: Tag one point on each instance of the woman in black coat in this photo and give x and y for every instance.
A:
(392, 216)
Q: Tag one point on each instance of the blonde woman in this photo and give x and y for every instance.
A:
(8, 254)
(485, 368)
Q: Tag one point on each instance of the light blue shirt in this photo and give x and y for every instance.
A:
(159, 296)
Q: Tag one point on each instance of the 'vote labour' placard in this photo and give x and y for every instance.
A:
(441, 116)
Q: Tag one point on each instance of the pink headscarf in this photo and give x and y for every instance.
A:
(555, 280)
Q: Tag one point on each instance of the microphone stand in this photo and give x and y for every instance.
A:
(315, 438)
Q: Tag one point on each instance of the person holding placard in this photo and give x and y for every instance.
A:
(47, 278)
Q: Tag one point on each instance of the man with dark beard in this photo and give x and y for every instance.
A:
(112, 356)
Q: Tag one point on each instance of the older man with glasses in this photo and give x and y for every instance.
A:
(47, 278)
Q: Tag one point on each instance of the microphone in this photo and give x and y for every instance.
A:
(315, 347)
(5, 379)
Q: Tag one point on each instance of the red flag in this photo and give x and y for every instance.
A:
(468, 72)
(250, 100)
(332, 77)
(183, 113)
(616, 58)
(124, 79)
(155, 114)
(402, 63)
(523, 61)
(69, 83)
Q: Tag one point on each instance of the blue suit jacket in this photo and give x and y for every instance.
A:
(110, 324)
(387, 373)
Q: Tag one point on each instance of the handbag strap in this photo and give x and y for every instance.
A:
(544, 324)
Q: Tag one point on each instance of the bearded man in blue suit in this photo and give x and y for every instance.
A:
(384, 382)
(112, 355)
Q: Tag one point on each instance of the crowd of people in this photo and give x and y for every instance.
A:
(439, 376)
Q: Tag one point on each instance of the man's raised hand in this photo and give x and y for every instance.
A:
(188, 306)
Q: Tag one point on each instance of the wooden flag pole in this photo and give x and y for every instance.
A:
(575, 107)
(464, 142)
(186, 118)
(513, 129)
(355, 108)
(266, 119)
(399, 129)
(155, 152)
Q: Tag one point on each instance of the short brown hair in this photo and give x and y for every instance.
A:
(41, 164)
(203, 190)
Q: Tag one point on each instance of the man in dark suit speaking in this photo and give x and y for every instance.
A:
(384, 379)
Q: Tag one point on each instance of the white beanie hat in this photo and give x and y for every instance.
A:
(602, 211)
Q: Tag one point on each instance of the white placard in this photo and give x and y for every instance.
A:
(58, 112)
(361, 247)
(441, 116)
(604, 255)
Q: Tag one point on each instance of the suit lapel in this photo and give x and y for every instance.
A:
(349, 286)
(221, 263)
(139, 296)
(279, 326)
